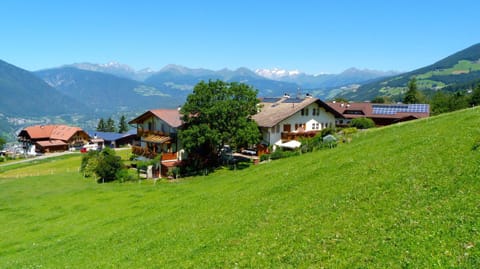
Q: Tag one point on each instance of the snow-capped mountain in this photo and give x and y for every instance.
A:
(323, 80)
(114, 68)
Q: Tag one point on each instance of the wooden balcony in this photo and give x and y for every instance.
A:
(296, 135)
(145, 152)
(143, 132)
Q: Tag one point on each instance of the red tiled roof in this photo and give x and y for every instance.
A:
(171, 116)
(40, 131)
(55, 132)
(64, 132)
(50, 143)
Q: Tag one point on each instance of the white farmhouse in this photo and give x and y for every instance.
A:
(284, 119)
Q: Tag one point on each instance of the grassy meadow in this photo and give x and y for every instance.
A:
(395, 197)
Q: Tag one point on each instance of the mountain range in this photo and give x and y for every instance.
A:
(459, 71)
(86, 91)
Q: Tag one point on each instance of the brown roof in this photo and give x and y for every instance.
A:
(171, 116)
(55, 132)
(50, 143)
(372, 110)
(64, 132)
(39, 131)
(272, 113)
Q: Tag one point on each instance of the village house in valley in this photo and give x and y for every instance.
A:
(51, 138)
(158, 129)
(381, 114)
(284, 119)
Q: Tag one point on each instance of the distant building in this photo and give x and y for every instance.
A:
(284, 119)
(115, 140)
(51, 138)
(381, 114)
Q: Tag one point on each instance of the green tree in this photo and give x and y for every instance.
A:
(413, 95)
(475, 97)
(110, 125)
(2, 142)
(382, 100)
(108, 165)
(362, 123)
(122, 125)
(101, 126)
(216, 114)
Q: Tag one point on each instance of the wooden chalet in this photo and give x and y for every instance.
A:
(158, 129)
(51, 138)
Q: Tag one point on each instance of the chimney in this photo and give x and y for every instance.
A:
(286, 95)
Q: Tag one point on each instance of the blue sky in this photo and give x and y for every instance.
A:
(310, 36)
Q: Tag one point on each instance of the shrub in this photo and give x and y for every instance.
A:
(108, 165)
(362, 123)
(124, 175)
(2, 159)
(327, 131)
(264, 157)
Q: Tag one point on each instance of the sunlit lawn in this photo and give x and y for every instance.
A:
(401, 196)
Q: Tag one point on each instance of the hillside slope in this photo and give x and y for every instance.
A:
(406, 195)
(106, 92)
(458, 71)
(23, 94)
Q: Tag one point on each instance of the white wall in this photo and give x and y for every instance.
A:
(321, 120)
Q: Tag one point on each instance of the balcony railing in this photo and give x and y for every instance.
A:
(144, 132)
(295, 136)
(145, 152)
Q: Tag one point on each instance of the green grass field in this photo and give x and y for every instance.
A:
(402, 196)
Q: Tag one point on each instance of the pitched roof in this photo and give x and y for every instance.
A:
(39, 131)
(56, 132)
(372, 110)
(64, 132)
(112, 136)
(171, 116)
(274, 110)
(50, 143)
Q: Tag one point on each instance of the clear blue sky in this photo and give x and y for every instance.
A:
(308, 35)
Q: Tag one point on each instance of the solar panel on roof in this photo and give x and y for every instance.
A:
(292, 100)
(393, 109)
(270, 100)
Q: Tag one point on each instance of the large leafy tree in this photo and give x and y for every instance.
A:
(218, 113)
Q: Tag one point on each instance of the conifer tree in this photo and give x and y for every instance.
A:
(122, 125)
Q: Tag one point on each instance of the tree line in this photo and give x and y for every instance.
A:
(109, 125)
(440, 101)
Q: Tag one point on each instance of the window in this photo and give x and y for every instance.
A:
(302, 112)
(306, 111)
(287, 127)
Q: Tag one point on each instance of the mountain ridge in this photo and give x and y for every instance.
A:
(458, 71)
